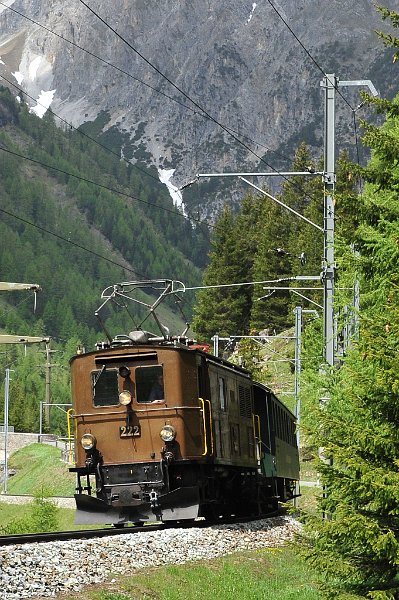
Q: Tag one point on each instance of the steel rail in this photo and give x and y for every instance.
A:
(56, 536)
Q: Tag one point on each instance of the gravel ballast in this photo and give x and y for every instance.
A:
(52, 568)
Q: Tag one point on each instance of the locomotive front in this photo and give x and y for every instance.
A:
(139, 429)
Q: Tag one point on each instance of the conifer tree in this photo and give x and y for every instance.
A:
(358, 546)
(270, 263)
(225, 311)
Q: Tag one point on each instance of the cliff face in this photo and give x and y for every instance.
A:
(235, 58)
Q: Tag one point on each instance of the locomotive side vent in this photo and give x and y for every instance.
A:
(244, 395)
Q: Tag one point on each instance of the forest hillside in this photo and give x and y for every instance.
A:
(75, 219)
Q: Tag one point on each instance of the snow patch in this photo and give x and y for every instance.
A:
(43, 102)
(165, 175)
(18, 76)
(33, 67)
(2, 61)
(252, 12)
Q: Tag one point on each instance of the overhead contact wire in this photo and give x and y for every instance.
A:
(60, 237)
(100, 185)
(158, 91)
(304, 48)
(115, 154)
(176, 87)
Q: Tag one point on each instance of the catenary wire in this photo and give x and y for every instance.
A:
(174, 85)
(104, 187)
(83, 133)
(204, 113)
(6, 311)
(304, 48)
(93, 55)
(111, 151)
(86, 181)
(75, 244)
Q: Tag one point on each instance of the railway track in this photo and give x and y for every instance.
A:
(69, 565)
(84, 534)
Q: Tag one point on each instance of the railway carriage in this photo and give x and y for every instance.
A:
(169, 432)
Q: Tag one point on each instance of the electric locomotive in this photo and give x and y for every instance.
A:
(168, 432)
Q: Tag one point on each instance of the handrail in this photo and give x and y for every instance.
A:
(257, 438)
(140, 410)
(210, 421)
(205, 452)
(205, 426)
(69, 417)
(254, 415)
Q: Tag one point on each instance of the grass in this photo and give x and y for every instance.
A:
(269, 574)
(39, 466)
(65, 517)
(308, 499)
(309, 470)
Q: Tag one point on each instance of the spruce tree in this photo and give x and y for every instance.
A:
(226, 311)
(218, 309)
(270, 309)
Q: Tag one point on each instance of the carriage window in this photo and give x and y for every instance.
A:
(105, 387)
(222, 394)
(149, 384)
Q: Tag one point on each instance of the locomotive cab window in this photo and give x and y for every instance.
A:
(149, 384)
(105, 387)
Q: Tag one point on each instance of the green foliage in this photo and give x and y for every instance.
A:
(357, 548)
(157, 243)
(248, 354)
(272, 311)
(226, 311)
(388, 39)
(41, 517)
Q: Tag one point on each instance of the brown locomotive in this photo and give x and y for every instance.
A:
(166, 432)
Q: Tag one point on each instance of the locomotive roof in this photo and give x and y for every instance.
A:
(126, 349)
(276, 398)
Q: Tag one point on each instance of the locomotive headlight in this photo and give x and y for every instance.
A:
(88, 441)
(168, 433)
(125, 398)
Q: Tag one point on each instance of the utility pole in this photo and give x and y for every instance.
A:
(6, 407)
(47, 401)
(297, 383)
(329, 84)
(6, 286)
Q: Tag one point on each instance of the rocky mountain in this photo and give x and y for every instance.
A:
(239, 64)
